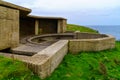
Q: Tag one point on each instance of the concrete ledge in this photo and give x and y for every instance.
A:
(98, 44)
(55, 53)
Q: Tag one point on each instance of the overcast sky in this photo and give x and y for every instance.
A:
(83, 12)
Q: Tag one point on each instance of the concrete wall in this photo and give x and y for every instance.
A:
(53, 55)
(27, 27)
(61, 26)
(80, 35)
(9, 27)
(78, 45)
(64, 25)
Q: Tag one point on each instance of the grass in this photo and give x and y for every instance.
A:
(103, 65)
(14, 70)
(73, 27)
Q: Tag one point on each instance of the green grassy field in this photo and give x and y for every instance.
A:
(73, 27)
(103, 65)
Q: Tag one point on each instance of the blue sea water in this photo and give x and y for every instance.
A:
(112, 30)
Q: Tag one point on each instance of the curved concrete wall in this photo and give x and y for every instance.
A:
(83, 35)
(97, 42)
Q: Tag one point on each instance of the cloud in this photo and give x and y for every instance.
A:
(76, 11)
(68, 5)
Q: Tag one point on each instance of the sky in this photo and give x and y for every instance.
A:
(82, 12)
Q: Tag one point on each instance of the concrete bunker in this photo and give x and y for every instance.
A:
(77, 42)
(43, 53)
(45, 60)
(35, 25)
(16, 24)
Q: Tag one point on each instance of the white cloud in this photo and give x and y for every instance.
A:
(76, 11)
(68, 5)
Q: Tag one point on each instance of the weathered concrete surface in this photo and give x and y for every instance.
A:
(78, 45)
(46, 61)
(83, 35)
(55, 54)
(9, 27)
(62, 24)
(31, 49)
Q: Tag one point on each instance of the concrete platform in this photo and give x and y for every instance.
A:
(31, 49)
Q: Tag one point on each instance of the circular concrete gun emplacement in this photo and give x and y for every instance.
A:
(47, 51)
(78, 41)
(91, 42)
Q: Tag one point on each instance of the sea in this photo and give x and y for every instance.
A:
(113, 30)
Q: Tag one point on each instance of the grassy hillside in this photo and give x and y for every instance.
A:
(73, 27)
